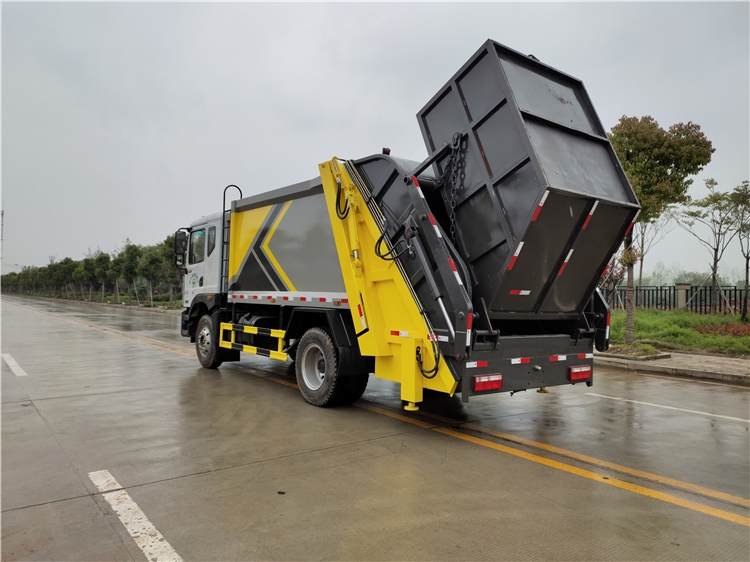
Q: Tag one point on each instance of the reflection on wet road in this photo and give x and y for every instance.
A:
(625, 470)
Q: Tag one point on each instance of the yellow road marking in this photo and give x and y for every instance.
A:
(642, 490)
(648, 492)
(390, 414)
(743, 502)
(721, 514)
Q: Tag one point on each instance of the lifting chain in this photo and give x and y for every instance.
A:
(454, 176)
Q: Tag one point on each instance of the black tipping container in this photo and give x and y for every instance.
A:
(542, 202)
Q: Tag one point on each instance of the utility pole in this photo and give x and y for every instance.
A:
(2, 227)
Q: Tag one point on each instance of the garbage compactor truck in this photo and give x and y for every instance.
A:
(473, 271)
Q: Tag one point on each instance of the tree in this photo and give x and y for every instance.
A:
(67, 267)
(170, 274)
(115, 271)
(740, 198)
(149, 267)
(53, 276)
(11, 282)
(612, 280)
(24, 279)
(101, 268)
(648, 234)
(131, 254)
(713, 213)
(658, 164)
(85, 273)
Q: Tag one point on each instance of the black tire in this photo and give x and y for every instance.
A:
(317, 368)
(355, 388)
(207, 344)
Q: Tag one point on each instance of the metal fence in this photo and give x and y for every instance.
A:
(697, 298)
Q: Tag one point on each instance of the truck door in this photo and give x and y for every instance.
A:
(202, 275)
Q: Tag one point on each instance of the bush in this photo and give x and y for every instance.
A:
(682, 330)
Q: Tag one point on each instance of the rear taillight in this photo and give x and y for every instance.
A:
(579, 373)
(488, 382)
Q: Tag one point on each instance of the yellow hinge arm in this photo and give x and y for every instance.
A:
(380, 300)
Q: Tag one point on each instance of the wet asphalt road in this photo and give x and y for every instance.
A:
(636, 467)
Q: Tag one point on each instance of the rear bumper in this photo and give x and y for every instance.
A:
(527, 362)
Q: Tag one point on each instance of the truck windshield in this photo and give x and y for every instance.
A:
(197, 246)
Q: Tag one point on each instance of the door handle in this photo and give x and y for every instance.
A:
(200, 282)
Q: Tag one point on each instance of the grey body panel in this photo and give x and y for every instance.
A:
(305, 248)
(280, 195)
(293, 251)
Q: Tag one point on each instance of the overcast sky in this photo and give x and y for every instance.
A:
(127, 120)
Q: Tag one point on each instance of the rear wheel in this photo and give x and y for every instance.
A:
(317, 369)
(206, 343)
(355, 388)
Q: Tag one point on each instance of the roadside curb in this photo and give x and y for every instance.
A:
(652, 367)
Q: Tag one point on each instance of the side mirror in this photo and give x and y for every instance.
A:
(180, 245)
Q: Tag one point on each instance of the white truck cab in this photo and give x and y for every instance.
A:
(203, 263)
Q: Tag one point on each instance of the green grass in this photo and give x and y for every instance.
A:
(676, 330)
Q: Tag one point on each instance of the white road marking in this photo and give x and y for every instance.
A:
(146, 536)
(669, 407)
(15, 367)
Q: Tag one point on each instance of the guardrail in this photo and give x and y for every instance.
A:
(697, 298)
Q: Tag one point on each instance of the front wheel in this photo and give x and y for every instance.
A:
(207, 344)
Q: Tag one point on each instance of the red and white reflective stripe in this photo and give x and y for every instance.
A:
(416, 184)
(562, 267)
(539, 207)
(520, 361)
(434, 224)
(556, 358)
(469, 324)
(632, 224)
(475, 364)
(591, 212)
(455, 271)
(434, 337)
(585, 356)
(515, 256)
(362, 317)
(286, 297)
(606, 334)
(606, 269)
(521, 292)
(399, 334)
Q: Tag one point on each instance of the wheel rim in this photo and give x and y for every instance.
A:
(204, 341)
(313, 366)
